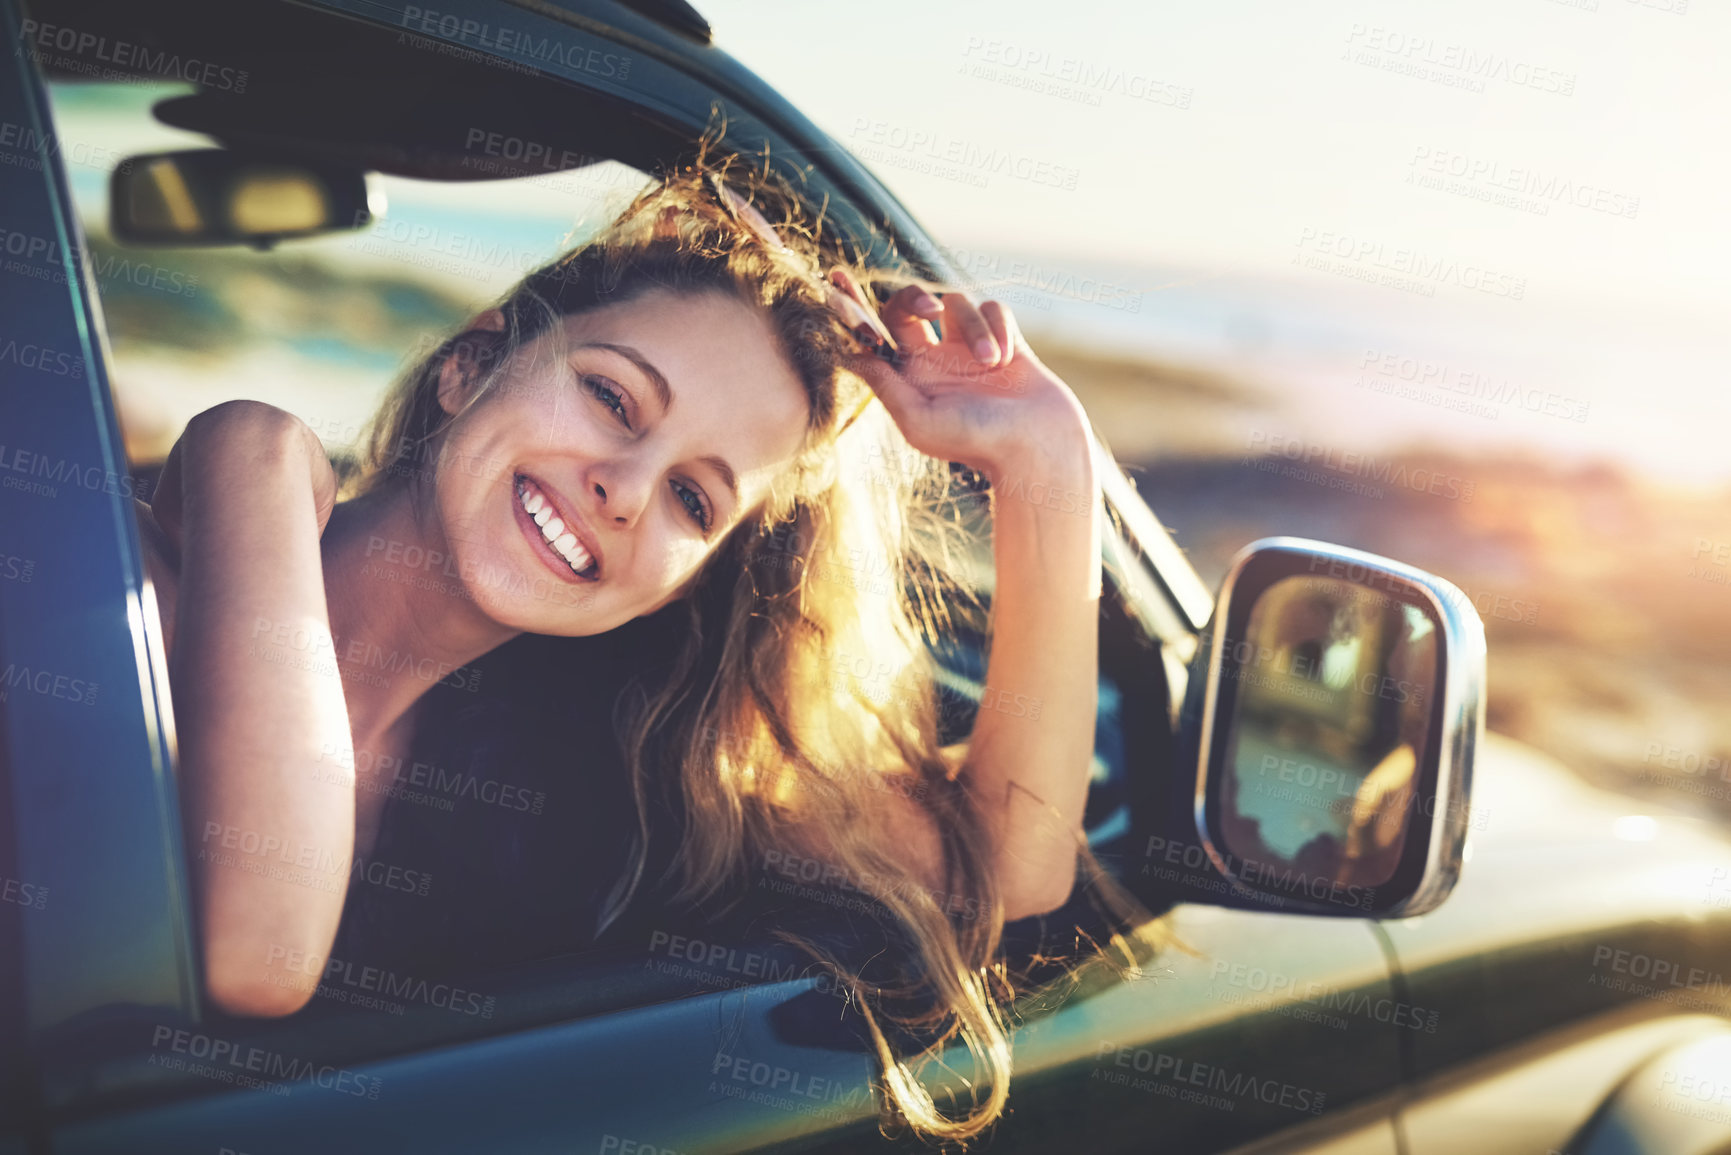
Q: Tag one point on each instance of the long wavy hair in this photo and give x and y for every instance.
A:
(757, 726)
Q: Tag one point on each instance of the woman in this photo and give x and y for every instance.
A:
(678, 413)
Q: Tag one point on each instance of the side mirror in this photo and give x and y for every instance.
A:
(219, 196)
(1343, 703)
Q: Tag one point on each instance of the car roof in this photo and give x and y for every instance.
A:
(402, 99)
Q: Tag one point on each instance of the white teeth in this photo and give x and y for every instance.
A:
(564, 543)
(574, 554)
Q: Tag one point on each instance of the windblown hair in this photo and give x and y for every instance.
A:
(764, 728)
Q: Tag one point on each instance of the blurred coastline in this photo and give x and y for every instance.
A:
(1606, 598)
(1605, 591)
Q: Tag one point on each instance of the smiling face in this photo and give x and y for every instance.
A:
(611, 456)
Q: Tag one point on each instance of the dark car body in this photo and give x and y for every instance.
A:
(1581, 942)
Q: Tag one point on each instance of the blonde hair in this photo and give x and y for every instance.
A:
(749, 726)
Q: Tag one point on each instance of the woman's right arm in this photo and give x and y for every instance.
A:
(258, 700)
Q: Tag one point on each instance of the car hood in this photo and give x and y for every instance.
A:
(1573, 901)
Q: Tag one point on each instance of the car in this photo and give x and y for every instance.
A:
(1386, 930)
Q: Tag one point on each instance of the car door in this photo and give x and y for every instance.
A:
(94, 922)
(1255, 1026)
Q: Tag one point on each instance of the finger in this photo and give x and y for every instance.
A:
(840, 276)
(905, 313)
(899, 395)
(866, 329)
(962, 321)
(848, 299)
(1004, 330)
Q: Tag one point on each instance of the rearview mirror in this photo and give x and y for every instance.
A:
(1344, 700)
(222, 197)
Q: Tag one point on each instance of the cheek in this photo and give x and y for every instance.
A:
(678, 561)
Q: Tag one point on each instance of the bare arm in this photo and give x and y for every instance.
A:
(1032, 744)
(246, 492)
(1002, 411)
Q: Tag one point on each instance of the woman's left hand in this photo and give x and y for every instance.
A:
(979, 395)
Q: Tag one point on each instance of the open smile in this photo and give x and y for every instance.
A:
(562, 542)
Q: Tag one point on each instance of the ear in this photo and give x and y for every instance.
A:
(454, 374)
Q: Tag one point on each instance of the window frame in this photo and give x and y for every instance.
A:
(1162, 600)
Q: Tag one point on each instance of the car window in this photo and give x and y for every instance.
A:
(320, 328)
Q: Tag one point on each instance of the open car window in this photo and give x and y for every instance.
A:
(320, 328)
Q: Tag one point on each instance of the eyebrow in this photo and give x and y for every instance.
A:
(664, 394)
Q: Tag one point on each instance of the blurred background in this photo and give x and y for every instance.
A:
(1443, 282)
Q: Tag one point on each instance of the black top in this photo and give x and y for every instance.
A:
(512, 820)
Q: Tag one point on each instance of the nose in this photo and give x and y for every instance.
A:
(621, 492)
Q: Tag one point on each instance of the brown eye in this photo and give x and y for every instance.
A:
(693, 504)
(604, 391)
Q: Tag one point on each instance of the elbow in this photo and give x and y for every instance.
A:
(1030, 893)
(250, 990)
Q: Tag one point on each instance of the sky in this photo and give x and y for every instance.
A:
(1260, 119)
(1491, 224)
(1526, 191)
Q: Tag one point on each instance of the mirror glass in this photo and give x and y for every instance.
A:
(1331, 719)
(217, 196)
